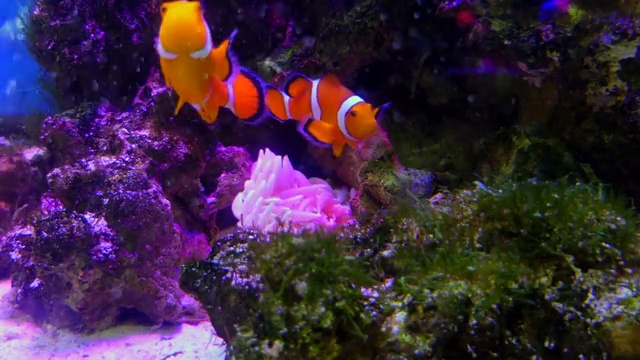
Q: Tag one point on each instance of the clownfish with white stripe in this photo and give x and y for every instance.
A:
(202, 75)
(328, 112)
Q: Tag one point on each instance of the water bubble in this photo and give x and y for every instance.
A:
(262, 12)
(308, 41)
(11, 87)
(397, 43)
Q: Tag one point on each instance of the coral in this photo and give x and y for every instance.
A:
(104, 50)
(525, 269)
(277, 197)
(412, 56)
(130, 197)
(462, 93)
(452, 86)
(374, 171)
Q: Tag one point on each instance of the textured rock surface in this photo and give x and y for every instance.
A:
(131, 196)
(94, 50)
(455, 278)
(18, 336)
(224, 284)
(22, 181)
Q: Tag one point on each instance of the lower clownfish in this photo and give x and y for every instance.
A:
(329, 112)
(202, 75)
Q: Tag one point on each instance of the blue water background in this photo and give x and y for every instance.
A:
(20, 93)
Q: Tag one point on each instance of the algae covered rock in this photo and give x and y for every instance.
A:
(22, 167)
(93, 50)
(125, 205)
(562, 78)
(512, 271)
(224, 282)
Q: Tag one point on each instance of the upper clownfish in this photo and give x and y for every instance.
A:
(202, 75)
(331, 113)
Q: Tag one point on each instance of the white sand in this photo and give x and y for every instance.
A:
(21, 339)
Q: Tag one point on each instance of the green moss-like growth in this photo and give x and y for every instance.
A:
(313, 307)
(526, 269)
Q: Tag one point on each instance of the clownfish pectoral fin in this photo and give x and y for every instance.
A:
(352, 143)
(224, 63)
(163, 71)
(297, 84)
(319, 131)
(246, 96)
(179, 106)
(380, 111)
(208, 112)
(278, 103)
(337, 149)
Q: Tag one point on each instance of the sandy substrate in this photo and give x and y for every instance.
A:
(20, 339)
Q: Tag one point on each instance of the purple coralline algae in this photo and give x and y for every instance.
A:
(131, 197)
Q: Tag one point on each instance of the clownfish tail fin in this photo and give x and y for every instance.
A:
(278, 103)
(246, 96)
(225, 64)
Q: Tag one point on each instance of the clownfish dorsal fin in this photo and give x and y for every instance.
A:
(296, 85)
(225, 65)
(332, 79)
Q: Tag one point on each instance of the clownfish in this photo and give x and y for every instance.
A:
(328, 112)
(202, 75)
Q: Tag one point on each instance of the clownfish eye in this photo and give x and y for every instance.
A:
(352, 113)
(163, 10)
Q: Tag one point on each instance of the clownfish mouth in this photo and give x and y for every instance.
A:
(200, 54)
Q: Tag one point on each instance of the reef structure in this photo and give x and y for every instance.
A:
(128, 199)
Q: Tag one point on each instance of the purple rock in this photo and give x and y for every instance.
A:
(125, 208)
(94, 49)
(21, 182)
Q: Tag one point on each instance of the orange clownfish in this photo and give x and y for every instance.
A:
(329, 112)
(202, 75)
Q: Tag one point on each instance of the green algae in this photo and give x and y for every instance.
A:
(511, 271)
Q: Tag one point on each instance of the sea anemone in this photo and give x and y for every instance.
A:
(280, 198)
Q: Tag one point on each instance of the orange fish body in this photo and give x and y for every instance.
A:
(202, 75)
(329, 112)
